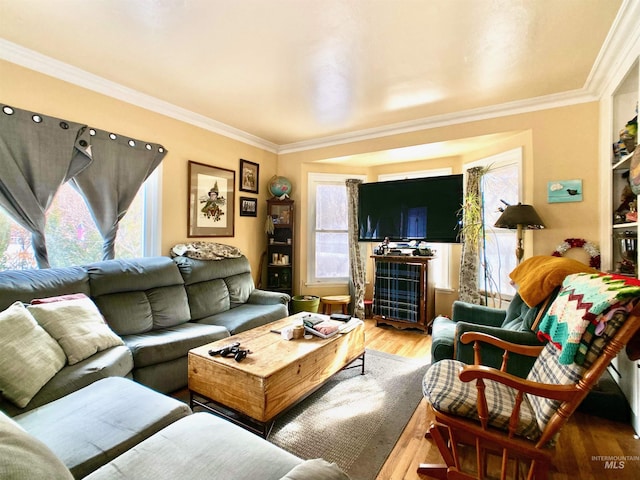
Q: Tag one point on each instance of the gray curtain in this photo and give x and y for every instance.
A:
(38, 154)
(119, 168)
(470, 257)
(356, 262)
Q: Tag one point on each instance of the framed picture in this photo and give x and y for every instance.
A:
(249, 176)
(248, 207)
(560, 191)
(211, 201)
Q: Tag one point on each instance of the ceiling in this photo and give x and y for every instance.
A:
(292, 74)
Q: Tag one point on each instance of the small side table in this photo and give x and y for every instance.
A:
(368, 309)
(331, 300)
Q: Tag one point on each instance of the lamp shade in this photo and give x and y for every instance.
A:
(523, 215)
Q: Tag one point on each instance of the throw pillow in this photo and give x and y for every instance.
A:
(538, 276)
(29, 357)
(24, 456)
(315, 469)
(78, 327)
(59, 298)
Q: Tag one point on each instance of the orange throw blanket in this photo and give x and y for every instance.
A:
(538, 276)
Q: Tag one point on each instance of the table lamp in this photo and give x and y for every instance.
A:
(519, 217)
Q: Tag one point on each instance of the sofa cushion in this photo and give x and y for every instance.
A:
(138, 295)
(519, 316)
(29, 357)
(132, 275)
(240, 287)
(23, 456)
(247, 316)
(200, 447)
(167, 344)
(141, 311)
(95, 424)
(115, 361)
(25, 285)
(77, 325)
(208, 298)
(447, 393)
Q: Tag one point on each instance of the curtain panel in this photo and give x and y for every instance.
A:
(120, 166)
(470, 256)
(39, 153)
(357, 270)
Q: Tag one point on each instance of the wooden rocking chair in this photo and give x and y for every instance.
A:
(517, 419)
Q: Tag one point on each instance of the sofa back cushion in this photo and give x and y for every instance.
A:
(25, 285)
(519, 316)
(240, 287)
(208, 298)
(139, 295)
(214, 286)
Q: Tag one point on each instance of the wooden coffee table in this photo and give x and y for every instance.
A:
(276, 374)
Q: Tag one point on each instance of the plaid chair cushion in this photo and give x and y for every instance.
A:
(548, 369)
(448, 394)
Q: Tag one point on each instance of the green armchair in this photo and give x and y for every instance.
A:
(512, 325)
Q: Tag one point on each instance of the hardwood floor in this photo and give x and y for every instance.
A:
(582, 440)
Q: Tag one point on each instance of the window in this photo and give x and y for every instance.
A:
(500, 185)
(328, 259)
(72, 236)
(439, 266)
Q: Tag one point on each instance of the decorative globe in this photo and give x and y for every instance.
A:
(278, 186)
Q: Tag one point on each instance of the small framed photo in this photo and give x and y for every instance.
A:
(249, 176)
(248, 207)
(211, 201)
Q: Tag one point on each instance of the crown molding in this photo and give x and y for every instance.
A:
(620, 45)
(32, 60)
(484, 113)
(625, 32)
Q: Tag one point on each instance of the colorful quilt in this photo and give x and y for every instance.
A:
(582, 298)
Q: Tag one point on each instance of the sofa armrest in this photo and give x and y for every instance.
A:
(492, 356)
(265, 297)
(478, 314)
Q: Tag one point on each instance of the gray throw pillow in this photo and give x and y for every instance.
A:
(29, 357)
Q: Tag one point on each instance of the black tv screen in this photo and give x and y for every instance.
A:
(425, 209)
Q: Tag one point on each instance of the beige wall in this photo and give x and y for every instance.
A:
(557, 144)
(26, 89)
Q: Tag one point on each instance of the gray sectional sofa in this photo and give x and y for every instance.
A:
(160, 307)
(102, 415)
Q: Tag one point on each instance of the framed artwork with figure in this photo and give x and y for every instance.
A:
(249, 176)
(211, 201)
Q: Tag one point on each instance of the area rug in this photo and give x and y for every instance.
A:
(355, 420)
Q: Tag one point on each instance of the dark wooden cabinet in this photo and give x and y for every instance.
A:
(404, 294)
(280, 247)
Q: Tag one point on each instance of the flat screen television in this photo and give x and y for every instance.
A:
(426, 209)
